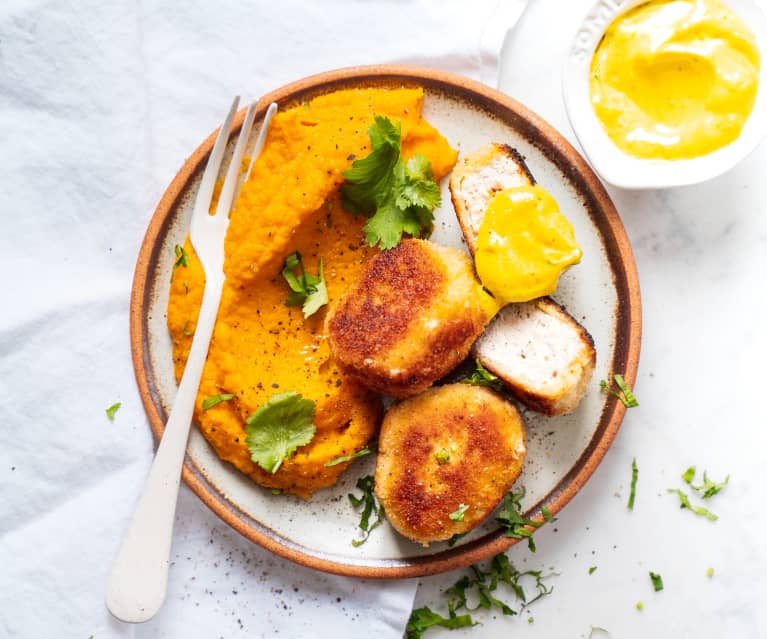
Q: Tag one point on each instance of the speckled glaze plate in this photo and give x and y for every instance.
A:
(602, 292)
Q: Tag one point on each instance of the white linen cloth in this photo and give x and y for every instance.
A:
(100, 103)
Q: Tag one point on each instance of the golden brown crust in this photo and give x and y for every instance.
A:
(409, 319)
(452, 446)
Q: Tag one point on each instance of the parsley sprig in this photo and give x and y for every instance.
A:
(480, 585)
(306, 290)
(370, 507)
(278, 427)
(398, 197)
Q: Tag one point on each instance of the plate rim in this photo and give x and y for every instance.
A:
(628, 318)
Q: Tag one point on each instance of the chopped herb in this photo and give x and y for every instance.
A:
(278, 427)
(547, 513)
(482, 377)
(276, 491)
(112, 410)
(708, 487)
(592, 570)
(398, 198)
(182, 257)
(684, 502)
(346, 458)
(657, 581)
(640, 606)
(634, 477)
(689, 475)
(187, 332)
(442, 455)
(210, 402)
(481, 584)
(530, 620)
(306, 290)
(510, 518)
(369, 507)
(421, 619)
(452, 541)
(710, 572)
(623, 393)
(457, 515)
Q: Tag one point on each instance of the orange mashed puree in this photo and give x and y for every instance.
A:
(260, 347)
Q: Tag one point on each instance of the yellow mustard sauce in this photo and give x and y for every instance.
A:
(675, 79)
(524, 244)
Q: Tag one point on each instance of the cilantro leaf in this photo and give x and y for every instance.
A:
(398, 198)
(421, 619)
(278, 427)
(210, 402)
(305, 289)
(684, 502)
(624, 393)
(369, 507)
(182, 257)
(482, 377)
(657, 581)
(112, 410)
(346, 458)
(510, 518)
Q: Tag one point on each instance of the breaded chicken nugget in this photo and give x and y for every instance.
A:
(409, 319)
(445, 460)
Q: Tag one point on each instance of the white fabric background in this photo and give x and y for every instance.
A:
(100, 103)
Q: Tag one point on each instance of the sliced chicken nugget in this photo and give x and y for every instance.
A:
(544, 356)
(445, 460)
(409, 319)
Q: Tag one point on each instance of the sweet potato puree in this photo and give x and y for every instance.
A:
(260, 347)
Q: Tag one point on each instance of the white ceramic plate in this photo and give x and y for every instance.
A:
(602, 293)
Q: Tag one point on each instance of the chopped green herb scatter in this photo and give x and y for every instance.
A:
(688, 475)
(684, 502)
(210, 402)
(657, 581)
(112, 410)
(346, 458)
(457, 515)
(278, 427)
(481, 585)
(370, 506)
(592, 570)
(482, 377)
(442, 456)
(398, 198)
(624, 393)
(710, 573)
(306, 290)
(182, 257)
(510, 518)
(634, 477)
(640, 606)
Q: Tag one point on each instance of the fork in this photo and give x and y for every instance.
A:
(139, 579)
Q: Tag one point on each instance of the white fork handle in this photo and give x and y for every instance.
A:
(138, 583)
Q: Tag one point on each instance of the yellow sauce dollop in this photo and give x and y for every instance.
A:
(524, 244)
(675, 79)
